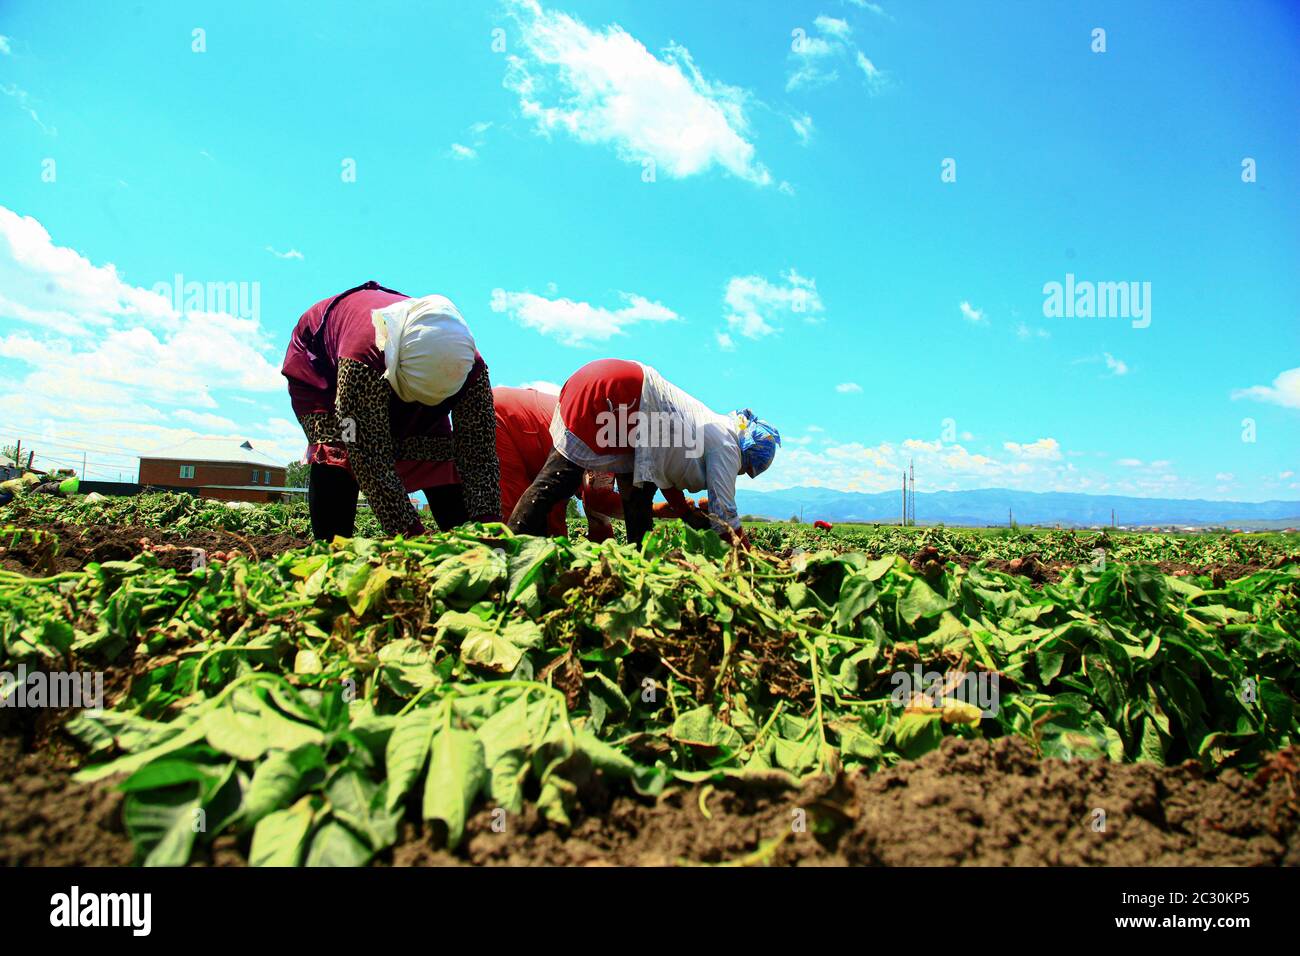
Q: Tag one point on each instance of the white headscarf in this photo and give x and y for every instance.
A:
(428, 348)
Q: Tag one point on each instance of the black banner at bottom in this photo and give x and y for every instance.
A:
(233, 906)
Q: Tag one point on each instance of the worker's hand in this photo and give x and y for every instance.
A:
(599, 527)
(697, 519)
(738, 537)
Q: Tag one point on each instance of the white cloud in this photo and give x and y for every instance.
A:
(205, 420)
(477, 135)
(24, 101)
(1284, 475)
(970, 313)
(99, 359)
(290, 254)
(725, 341)
(755, 306)
(1115, 365)
(816, 56)
(54, 287)
(5, 46)
(854, 466)
(874, 77)
(1048, 449)
(578, 323)
(803, 128)
(875, 8)
(1284, 391)
(603, 87)
(832, 27)
(1224, 476)
(541, 385)
(848, 388)
(1034, 466)
(1025, 332)
(1129, 462)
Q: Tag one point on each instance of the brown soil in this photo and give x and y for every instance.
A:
(47, 820)
(1044, 572)
(69, 547)
(969, 803)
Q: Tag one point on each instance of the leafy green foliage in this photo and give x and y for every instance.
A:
(172, 511)
(1051, 545)
(312, 701)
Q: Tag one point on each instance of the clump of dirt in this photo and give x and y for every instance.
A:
(1030, 566)
(1218, 574)
(61, 546)
(972, 802)
(48, 820)
(968, 803)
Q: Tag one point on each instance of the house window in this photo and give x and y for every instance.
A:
(187, 471)
(255, 474)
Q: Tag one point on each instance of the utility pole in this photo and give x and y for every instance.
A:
(903, 522)
(1011, 522)
(911, 471)
(83, 465)
(18, 455)
(1112, 517)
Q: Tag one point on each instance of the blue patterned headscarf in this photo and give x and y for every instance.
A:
(758, 441)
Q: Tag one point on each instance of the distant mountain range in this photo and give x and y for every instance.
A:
(989, 506)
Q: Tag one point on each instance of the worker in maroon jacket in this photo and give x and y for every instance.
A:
(373, 378)
(524, 443)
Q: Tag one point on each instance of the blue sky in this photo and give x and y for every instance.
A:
(750, 197)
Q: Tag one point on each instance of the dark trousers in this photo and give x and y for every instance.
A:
(559, 480)
(332, 500)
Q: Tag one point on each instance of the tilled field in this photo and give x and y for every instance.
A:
(61, 546)
(704, 784)
(970, 803)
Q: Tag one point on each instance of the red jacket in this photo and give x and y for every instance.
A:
(523, 444)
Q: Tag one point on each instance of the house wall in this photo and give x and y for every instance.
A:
(167, 471)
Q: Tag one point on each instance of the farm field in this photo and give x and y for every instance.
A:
(859, 695)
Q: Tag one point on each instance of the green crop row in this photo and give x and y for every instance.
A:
(1208, 549)
(310, 702)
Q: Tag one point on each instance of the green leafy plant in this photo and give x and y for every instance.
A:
(310, 702)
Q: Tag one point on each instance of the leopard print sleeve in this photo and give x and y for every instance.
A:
(363, 397)
(474, 434)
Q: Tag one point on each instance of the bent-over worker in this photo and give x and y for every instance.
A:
(622, 416)
(377, 380)
(523, 445)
